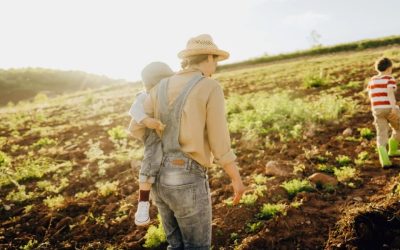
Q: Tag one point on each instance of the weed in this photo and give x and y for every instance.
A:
(249, 199)
(366, 133)
(313, 80)
(343, 160)
(54, 202)
(43, 142)
(28, 208)
(325, 168)
(84, 194)
(297, 204)
(254, 227)
(259, 190)
(20, 195)
(107, 188)
(30, 245)
(260, 179)
(295, 186)
(117, 133)
(269, 210)
(299, 168)
(361, 158)
(344, 174)
(94, 153)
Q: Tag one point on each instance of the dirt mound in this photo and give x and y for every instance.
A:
(368, 227)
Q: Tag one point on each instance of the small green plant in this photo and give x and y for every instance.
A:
(20, 195)
(43, 142)
(228, 202)
(30, 245)
(314, 81)
(345, 174)
(295, 186)
(299, 168)
(260, 190)
(54, 202)
(249, 199)
(155, 236)
(297, 204)
(351, 85)
(107, 188)
(366, 133)
(234, 236)
(95, 152)
(4, 160)
(269, 210)
(343, 160)
(49, 187)
(253, 227)
(325, 168)
(28, 208)
(260, 179)
(361, 158)
(84, 194)
(397, 190)
(117, 133)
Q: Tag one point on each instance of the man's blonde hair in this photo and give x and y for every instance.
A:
(194, 60)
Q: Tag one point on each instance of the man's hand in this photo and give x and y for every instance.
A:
(152, 123)
(238, 190)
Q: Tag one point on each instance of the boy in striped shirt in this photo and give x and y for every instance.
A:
(381, 90)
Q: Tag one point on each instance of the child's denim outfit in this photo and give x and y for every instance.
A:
(152, 144)
(181, 190)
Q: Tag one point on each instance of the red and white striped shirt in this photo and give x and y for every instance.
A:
(378, 91)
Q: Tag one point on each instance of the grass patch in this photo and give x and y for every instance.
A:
(282, 114)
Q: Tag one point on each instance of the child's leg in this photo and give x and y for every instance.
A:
(382, 127)
(394, 121)
(144, 191)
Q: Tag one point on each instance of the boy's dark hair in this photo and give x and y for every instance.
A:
(383, 64)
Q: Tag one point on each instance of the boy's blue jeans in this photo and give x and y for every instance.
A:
(182, 195)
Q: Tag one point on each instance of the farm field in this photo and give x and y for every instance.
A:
(68, 168)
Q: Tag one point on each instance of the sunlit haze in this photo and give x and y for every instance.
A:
(118, 38)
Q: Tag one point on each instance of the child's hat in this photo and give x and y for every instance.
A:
(154, 73)
(202, 45)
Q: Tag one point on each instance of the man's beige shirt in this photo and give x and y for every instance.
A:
(204, 133)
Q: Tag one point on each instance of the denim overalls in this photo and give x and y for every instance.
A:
(181, 190)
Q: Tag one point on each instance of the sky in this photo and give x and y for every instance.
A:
(117, 38)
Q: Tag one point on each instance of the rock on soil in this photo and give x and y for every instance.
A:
(272, 168)
(324, 179)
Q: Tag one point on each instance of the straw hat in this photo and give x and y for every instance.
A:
(202, 45)
(155, 72)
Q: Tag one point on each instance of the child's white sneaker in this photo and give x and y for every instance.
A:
(142, 217)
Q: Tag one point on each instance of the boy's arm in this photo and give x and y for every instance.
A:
(136, 130)
(392, 87)
(137, 109)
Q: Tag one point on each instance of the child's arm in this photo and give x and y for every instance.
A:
(152, 123)
(136, 130)
(137, 109)
(392, 87)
